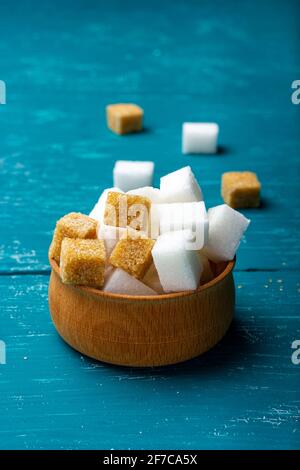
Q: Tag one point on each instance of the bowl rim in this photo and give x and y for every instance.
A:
(173, 295)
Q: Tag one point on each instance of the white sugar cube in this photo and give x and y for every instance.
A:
(180, 186)
(111, 235)
(178, 268)
(181, 216)
(147, 191)
(151, 279)
(200, 137)
(97, 212)
(207, 273)
(121, 282)
(131, 175)
(226, 228)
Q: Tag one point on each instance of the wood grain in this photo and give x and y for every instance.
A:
(138, 330)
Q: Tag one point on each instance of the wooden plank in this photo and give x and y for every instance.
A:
(242, 394)
(62, 171)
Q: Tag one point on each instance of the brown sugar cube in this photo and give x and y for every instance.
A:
(124, 118)
(122, 210)
(133, 255)
(83, 262)
(73, 225)
(241, 189)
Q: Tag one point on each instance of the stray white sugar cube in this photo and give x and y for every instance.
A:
(226, 228)
(121, 282)
(186, 215)
(178, 268)
(147, 191)
(200, 137)
(97, 212)
(131, 175)
(180, 186)
(151, 279)
(110, 235)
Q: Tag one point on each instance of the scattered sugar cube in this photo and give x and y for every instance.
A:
(199, 137)
(120, 282)
(241, 189)
(83, 262)
(180, 186)
(73, 225)
(151, 279)
(207, 273)
(226, 228)
(178, 268)
(123, 118)
(97, 212)
(122, 210)
(132, 174)
(186, 215)
(110, 235)
(133, 255)
(147, 191)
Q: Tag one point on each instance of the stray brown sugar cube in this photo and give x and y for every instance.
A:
(83, 262)
(73, 225)
(133, 255)
(124, 210)
(124, 118)
(241, 189)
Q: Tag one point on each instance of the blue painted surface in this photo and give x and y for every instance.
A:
(62, 62)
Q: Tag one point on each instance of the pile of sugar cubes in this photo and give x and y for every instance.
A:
(141, 240)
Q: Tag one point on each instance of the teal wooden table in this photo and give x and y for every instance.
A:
(62, 62)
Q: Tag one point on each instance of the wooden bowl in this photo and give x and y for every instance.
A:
(143, 331)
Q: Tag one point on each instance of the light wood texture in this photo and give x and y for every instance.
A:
(142, 331)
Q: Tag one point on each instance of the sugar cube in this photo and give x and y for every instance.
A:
(110, 235)
(73, 225)
(122, 210)
(186, 215)
(226, 228)
(123, 118)
(133, 255)
(82, 262)
(207, 273)
(97, 212)
(180, 186)
(199, 137)
(133, 174)
(151, 279)
(178, 268)
(120, 282)
(147, 191)
(240, 189)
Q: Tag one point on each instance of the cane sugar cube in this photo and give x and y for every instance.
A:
(207, 273)
(123, 118)
(120, 282)
(73, 225)
(147, 191)
(132, 174)
(97, 212)
(199, 137)
(151, 279)
(83, 262)
(180, 186)
(122, 210)
(110, 235)
(186, 215)
(178, 268)
(133, 255)
(226, 228)
(241, 189)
